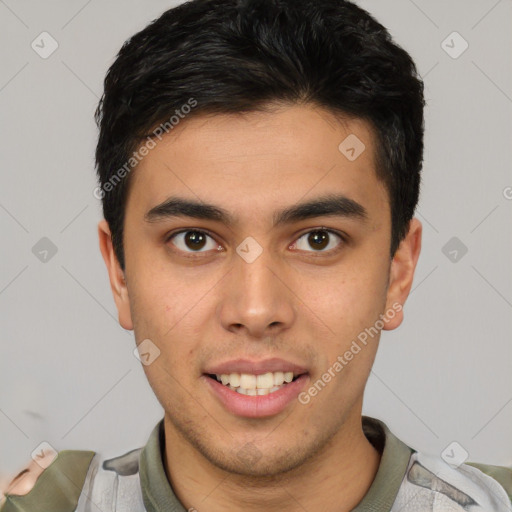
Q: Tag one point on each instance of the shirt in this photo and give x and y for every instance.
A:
(406, 480)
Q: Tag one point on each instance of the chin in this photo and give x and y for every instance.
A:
(265, 468)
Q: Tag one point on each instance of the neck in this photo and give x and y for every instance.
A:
(334, 479)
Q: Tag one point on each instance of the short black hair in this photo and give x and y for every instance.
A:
(229, 56)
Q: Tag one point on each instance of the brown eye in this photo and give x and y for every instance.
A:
(193, 241)
(318, 240)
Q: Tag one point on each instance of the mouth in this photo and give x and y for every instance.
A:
(256, 385)
(255, 389)
(267, 391)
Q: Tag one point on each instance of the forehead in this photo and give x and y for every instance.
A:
(270, 157)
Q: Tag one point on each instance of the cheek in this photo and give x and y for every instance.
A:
(347, 303)
(158, 302)
(171, 317)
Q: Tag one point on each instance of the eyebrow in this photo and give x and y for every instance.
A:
(329, 205)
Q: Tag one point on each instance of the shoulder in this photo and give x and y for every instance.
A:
(73, 479)
(434, 485)
(501, 474)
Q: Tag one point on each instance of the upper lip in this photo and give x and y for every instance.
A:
(256, 367)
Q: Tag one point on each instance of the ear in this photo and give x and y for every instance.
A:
(401, 273)
(116, 276)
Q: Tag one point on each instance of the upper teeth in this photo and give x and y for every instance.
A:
(249, 381)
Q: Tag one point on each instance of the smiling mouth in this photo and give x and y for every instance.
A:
(255, 385)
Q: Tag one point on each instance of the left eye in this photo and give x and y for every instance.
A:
(319, 239)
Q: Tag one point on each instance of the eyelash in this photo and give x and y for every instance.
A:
(197, 254)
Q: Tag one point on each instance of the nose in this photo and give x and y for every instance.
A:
(257, 297)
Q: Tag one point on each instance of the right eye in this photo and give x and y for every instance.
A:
(193, 239)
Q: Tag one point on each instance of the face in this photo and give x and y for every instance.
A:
(257, 287)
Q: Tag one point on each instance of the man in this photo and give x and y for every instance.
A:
(259, 166)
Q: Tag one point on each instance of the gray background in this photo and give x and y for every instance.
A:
(67, 372)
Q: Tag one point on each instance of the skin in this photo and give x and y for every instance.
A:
(294, 301)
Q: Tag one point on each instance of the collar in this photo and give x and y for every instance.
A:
(159, 497)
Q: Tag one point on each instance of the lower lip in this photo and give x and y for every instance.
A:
(258, 406)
